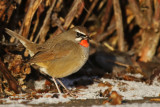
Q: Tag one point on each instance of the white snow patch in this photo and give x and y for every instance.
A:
(138, 75)
(39, 84)
(15, 105)
(134, 90)
(156, 81)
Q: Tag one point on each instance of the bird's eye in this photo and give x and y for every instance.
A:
(80, 35)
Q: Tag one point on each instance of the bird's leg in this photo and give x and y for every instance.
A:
(63, 85)
(68, 91)
(59, 91)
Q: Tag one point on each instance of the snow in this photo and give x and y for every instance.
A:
(39, 84)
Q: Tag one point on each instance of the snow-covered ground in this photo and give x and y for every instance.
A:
(129, 90)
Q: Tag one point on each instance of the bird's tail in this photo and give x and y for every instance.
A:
(28, 44)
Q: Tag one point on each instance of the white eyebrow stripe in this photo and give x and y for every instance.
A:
(80, 32)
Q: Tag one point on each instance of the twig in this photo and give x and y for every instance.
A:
(149, 11)
(34, 4)
(109, 31)
(39, 12)
(149, 44)
(89, 12)
(70, 16)
(57, 22)
(72, 13)
(156, 18)
(105, 17)
(140, 19)
(119, 24)
(45, 27)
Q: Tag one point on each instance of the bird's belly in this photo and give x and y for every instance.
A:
(59, 69)
(63, 67)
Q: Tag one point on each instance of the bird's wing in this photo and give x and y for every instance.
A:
(60, 50)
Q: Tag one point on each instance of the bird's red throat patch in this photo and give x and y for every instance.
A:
(84, 43)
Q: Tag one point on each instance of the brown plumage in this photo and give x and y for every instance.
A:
(60, 56)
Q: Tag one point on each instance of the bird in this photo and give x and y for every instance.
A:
(59, 56)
